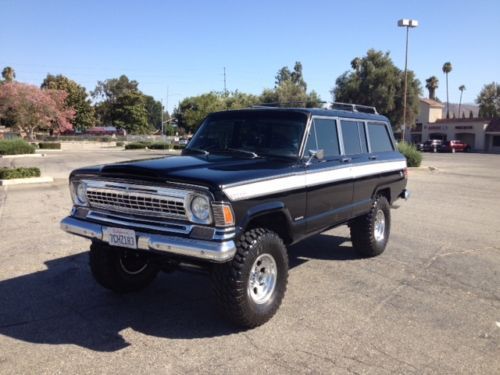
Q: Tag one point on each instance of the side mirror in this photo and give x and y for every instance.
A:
(316, 154)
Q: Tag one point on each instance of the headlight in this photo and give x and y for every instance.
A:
(79, 193)
(200, 208)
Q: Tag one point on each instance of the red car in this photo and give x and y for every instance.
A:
(454, 146)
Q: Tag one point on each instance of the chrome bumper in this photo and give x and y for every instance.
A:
(207, 250)
(405, 194)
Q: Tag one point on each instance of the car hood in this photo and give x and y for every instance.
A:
(212, 171)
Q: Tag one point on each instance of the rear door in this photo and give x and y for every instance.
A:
(329, 183)
(355, 146)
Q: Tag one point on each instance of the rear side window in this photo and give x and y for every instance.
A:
(380, 140)
(354, 137)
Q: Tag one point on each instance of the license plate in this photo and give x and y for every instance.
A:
(121, 237)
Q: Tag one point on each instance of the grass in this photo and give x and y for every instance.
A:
(11, 173)
(15, 147)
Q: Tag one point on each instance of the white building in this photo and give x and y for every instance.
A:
(481, 134)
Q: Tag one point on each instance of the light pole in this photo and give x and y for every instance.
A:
(406, 23)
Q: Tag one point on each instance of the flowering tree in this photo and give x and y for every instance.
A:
(31, 108)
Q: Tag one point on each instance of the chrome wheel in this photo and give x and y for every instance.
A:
(133, 264)
(379, 227)
(262, 279)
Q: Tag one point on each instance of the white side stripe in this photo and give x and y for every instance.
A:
(306, 179)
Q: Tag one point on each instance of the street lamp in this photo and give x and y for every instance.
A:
(406, 23)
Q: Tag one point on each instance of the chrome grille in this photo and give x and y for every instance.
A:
(133, 199)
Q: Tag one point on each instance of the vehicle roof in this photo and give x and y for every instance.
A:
(315, 112)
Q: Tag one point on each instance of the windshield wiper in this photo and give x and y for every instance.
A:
(197, 150)
(246, 152)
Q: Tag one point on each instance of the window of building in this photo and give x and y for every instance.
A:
(496, 141)
(380, 140)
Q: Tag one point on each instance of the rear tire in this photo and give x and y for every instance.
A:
(370, 232)
(121, 270)
(250, 288)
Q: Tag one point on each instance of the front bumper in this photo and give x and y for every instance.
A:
(213, 251)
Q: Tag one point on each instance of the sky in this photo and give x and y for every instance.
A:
(176, 49)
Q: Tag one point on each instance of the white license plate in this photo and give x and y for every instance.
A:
(121, 237)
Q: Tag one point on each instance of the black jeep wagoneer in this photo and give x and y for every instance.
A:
(248, 184)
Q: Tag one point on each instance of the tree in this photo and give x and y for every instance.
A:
(376, 81)
(32, 108)
(290, 90)
(461, 88)
(77, 99)
(122, 104)
(129, 113)
(447, 68)
(489, 100)
(8, 74)
(153, 109)
(432, 84)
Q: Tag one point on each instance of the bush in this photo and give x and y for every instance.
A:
(15, 147)
(10, 173)
(160, 146)
(119, 144)
(49, 146)
(137, 145)
(412, 155)
(179, 147)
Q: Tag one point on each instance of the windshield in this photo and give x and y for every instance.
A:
(251, 133)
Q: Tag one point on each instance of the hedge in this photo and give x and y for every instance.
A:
(160, 146)
(179, 147)
(412, 155)
(137, 145)
(49, 146)
(15, 147)
(10, 173)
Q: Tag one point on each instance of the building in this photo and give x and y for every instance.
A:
(480, 133)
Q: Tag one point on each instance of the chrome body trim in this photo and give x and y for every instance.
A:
(212, 251)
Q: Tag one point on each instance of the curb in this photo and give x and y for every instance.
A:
(29, 180)
(21, 156)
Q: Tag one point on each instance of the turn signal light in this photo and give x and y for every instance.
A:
(228, 215)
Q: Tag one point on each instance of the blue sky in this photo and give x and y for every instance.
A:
(184, 45)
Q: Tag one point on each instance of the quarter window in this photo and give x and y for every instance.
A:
(380, 140)
(323, 135)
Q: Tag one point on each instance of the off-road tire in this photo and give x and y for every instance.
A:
(231, 280)
(363, 235)
(106, 264)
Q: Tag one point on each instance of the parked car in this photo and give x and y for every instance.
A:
(250, 183)
(454, 146)
(432, 145)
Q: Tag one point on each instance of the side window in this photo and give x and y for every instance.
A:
(311, 141)
(326, 136)
(354, 137)
(380, 140)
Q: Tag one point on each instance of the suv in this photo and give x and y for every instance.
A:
(250, 183)
(432, 145)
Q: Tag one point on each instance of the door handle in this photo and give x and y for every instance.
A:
(346, 160)
(372, 157)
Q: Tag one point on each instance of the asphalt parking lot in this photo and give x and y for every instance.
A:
(429, 304)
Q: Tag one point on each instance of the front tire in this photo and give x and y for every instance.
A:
(250, 287)
(121, 270)
(370, 232)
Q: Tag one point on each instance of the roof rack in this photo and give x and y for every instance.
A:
(354, 107)
(281, 105)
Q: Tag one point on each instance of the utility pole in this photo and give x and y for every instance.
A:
(225, 89)
(161, 117)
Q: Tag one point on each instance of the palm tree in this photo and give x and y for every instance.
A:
(447, 69)
(461, 88)
(432, 84)
(8, 74)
